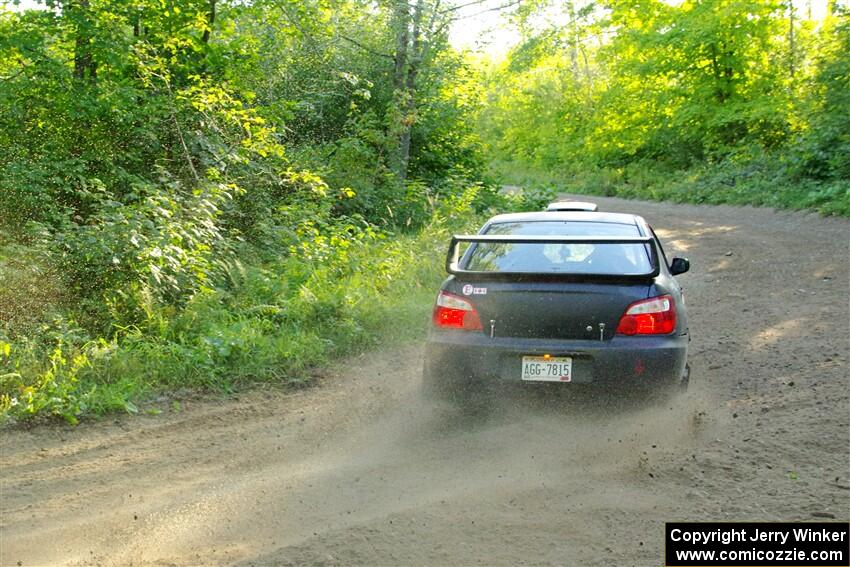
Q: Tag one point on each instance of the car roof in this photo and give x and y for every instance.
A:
(569, 216)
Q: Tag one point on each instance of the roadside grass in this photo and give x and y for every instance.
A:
(759, 183)
(271, 323)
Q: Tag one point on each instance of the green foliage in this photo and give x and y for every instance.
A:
(758, 181)
(741, 101)
(201, 194)
(344, 287)
(700, 67)
(824, 149)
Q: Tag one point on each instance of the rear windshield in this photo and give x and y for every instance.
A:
(607, 259)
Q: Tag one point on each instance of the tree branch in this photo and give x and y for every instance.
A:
(20, 72)
(474, 3)
(176, 121)
(496, 9)
(365, 48)
(461, 6)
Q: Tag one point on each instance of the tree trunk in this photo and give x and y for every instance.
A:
(571, 11)
(413, 64)
(715, 71)
(83, 62)
(401, 23)
(791, 48)
(205, 38)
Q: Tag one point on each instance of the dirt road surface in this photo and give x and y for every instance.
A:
(362, 470)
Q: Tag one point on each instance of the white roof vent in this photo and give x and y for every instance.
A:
(572, 206)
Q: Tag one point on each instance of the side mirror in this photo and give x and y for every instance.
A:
(679, 266)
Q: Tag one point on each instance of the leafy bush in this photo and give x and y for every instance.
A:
(165, 245)
(341, 287)
(754, 180)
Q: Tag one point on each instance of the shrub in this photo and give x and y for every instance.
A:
(342, 286)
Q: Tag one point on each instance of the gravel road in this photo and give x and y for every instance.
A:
(362, 470)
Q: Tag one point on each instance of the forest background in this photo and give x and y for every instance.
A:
(200, 195)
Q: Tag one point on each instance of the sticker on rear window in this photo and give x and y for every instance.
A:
(469, 289)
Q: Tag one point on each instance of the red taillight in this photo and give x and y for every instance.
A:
(654, 316)
(454, 311)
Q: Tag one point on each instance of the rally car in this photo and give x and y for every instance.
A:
(569, 295)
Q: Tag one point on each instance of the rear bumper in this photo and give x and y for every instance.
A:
(470, 359)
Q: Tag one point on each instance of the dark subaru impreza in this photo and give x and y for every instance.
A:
(568, 295)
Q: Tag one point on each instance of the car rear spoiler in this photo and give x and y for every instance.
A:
(453, 256)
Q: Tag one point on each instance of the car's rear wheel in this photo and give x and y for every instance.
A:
(671, 392)
(686, 378)
(662, 392)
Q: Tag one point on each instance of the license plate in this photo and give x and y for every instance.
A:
(543, 369)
